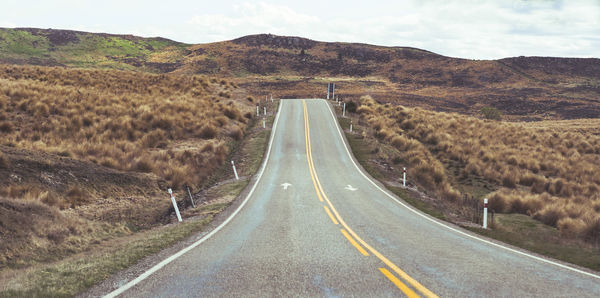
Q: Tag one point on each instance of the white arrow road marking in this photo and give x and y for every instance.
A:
(350, 188)
(285, 185)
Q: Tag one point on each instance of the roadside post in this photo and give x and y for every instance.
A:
(350, 125)
(344, 111)
(235, 171)
(328, 88)
(404, 177)
(175, 205)
(257, 110)
(485, 207)
(264, 123)
(191, 198)
(265, 109)
(333, 89)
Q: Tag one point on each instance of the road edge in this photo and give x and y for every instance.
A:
(181, 252)
(450, 226)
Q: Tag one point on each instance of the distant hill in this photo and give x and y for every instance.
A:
(523, 88)
(81, 49)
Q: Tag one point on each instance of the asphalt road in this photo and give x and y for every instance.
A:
(314, 225)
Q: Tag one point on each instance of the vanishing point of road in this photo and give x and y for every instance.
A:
(313, 224)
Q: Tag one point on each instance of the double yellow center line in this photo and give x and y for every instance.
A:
(352, 237)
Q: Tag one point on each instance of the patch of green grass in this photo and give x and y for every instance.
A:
(423, 206)
(228, 189)
(361, 151)
(22, 43)
(523, 231)
(213, 208)
(90, 50)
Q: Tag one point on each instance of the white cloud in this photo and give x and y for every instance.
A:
(248, 18)
(461, 28)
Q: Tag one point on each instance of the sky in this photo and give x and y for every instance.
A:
(457, 28)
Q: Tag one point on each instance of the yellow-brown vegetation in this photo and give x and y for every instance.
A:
(538, 170)
(123, 120)
(84, 154)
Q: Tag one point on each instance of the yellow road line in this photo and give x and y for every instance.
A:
(321, 194)
(404, 288)
(335, 222)
(309, 154)
(358, 247)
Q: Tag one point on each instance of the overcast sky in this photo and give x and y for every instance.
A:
(467, 29)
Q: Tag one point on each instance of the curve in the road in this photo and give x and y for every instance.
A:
(419, 213)
(352, 235)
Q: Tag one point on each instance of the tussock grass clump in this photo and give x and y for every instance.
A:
(538, 170)
(4, 161)
(122, 120)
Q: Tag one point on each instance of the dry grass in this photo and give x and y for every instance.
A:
(539, 170)
(123, 120)
(86, 155)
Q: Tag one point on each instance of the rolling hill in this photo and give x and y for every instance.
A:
(522, 88)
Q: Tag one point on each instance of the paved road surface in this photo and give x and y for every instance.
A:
(315, 226)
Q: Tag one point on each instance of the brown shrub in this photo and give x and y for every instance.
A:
(153, 138)
(52, 199)
(550, 214)
(208, 132)
(450, 194)
(208, 147)
(232, 113)
(4, 161)
(75, 196)
(498, 202)
(109, 162)
(236, 133)
(399, 142)
(509, 179)
(571, 227)
(591, 232)
(143, 165)
(6, 127)
(529, 179)
(41, 109)
(178, 177)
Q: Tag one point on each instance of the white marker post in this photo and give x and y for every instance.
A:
(264, 123)
(350, 125)
(235, 171)
(175, 205)
(333, 89)
(257, 110)
(344, 112)
(265, 109)
(404, 177)
(328, 88)
(485, 203)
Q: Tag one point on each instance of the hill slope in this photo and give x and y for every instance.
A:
(523, 88)
(86, 154)
(80, 49)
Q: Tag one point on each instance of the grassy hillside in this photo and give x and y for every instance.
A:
(546, 171)
(85, 153)
(523, 88)
(81, 49)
